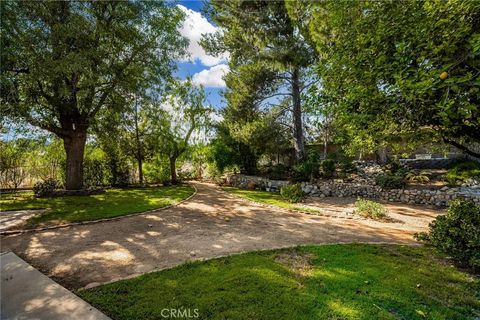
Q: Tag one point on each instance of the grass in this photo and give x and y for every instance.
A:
(463, 171)
(114, 202)
(353, 281)
(271, 198)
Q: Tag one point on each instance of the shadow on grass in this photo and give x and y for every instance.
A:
(345, 282)
(115, 202)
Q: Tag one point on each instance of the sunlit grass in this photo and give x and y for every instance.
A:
(114, 202)
(271, 198)
(344, 282)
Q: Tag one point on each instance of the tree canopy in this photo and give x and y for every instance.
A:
(62, 62)
(176, 120)
(269, 59)
(402, 67)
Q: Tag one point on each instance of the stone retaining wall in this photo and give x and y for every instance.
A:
(338, 188)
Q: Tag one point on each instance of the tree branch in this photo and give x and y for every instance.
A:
(44, 94)
(43, 125)
(309, 84)
(462, 147)
(20, 70)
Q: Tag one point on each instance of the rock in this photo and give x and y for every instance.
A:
(307, 188)
(363, 185)
(92, 285)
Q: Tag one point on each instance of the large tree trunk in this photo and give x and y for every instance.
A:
(325, 147)
(298, 139)
(173, 170)
(382, 156)
(139, 145)
(140, 170)
(74, 148)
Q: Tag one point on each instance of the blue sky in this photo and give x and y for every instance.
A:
(202, 68)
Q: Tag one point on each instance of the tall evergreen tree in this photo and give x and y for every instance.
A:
(269, 57)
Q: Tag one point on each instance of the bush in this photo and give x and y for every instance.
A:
(418, 176)
(94, 173)
(395, 167)
(463, 171)
(328, 168)
(45, 188)
(370, 209)
(277, 172)
(309, 168)
(402, 172)
(157, 170)
(457, 233)
(292, 193)
(347, 166)
(390, 181)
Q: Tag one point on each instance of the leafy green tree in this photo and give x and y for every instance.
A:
(229, 153)
(47, 160)
(269, 56)
(12, 160)
(396, 68)
(127, 130)
(111, 135)
(65, 61)
(175, 121)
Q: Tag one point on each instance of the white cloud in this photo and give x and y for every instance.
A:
(212, 77)
(194, 26)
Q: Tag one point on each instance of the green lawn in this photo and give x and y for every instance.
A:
(115, 202)
(315, 282)
(271, 198)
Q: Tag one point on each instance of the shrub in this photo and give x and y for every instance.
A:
(309, 168)
(457, 233)
(395, 167)
(94, 173)
(418, 176)
(328, 168)
(402, 172)
(463, 171)
(157, 170)
(347, 166)
(277, 172)
(390, 181)
(392, 166)
(292, 193)
(370, 209)
(45, 188)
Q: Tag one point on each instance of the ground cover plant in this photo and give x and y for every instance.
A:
(352, 281)
(463, 171)
(114, 202)
(370, 209)
(390, 181)
(292, 193)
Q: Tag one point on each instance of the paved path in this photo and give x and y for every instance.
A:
(28, 294)
(212, 223)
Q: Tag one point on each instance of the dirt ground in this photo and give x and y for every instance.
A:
(210, 224)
